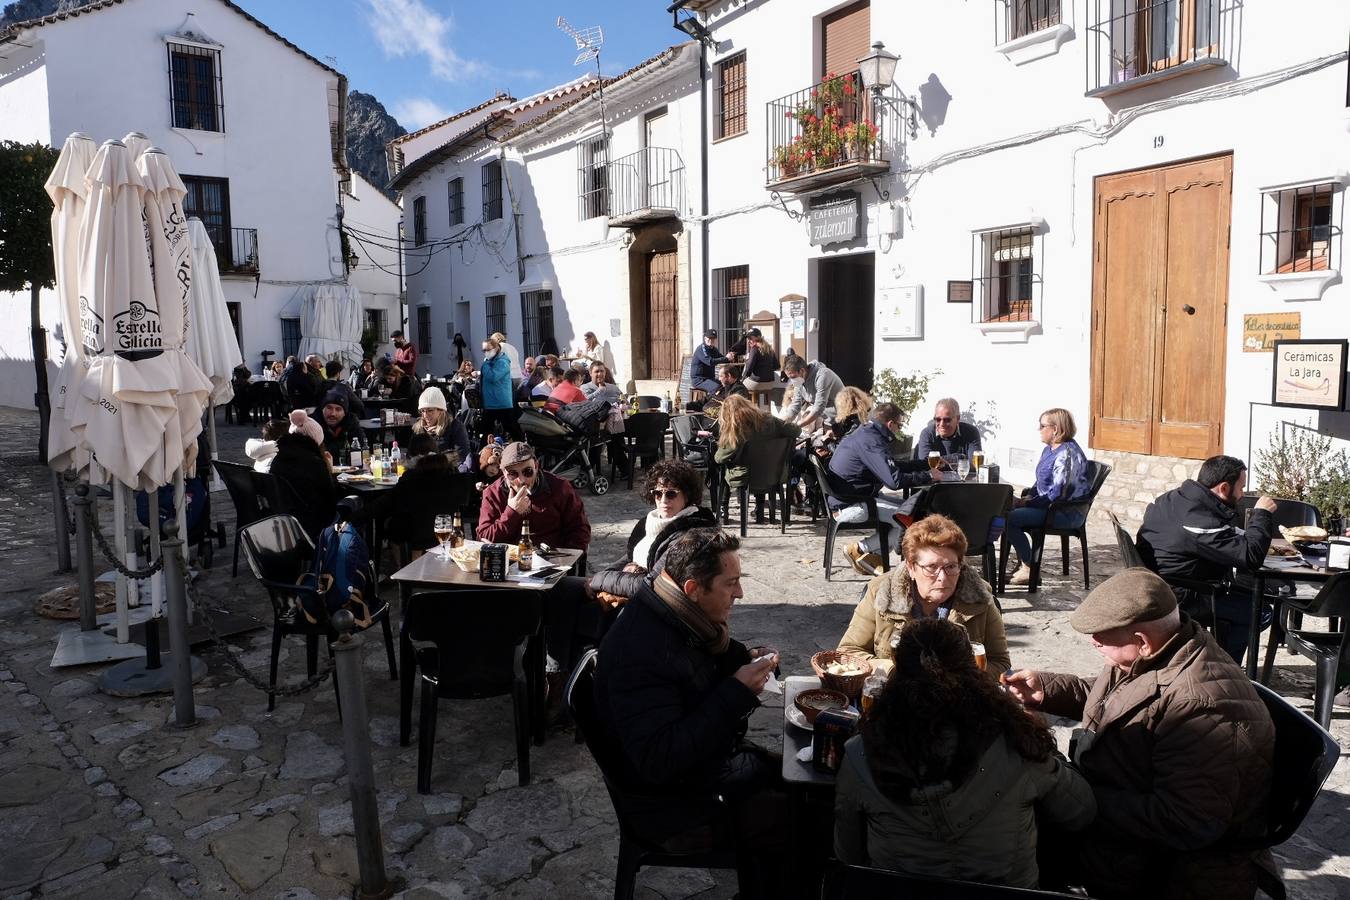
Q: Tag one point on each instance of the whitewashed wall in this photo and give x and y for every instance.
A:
(367, 209)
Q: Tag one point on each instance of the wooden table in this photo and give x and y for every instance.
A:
(1274, 569)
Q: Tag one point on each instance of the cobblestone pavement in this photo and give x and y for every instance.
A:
(103, 797)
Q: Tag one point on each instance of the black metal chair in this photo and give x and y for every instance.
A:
(240, 485)
(695, 451)
(1097, 473)
(766, 464)
(974, 508)
(279, 553)
(472, 644)
(832, 487)
(1329, 650)
(644, 437)
(1206, 591)
(635, 851)
(866, 883)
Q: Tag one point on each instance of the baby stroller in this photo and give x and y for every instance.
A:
(563, 441)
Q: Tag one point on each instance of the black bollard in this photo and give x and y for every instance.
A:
(59, 513)
(84, 551)
(180, 655)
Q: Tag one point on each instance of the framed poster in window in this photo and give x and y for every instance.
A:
(1309, 374)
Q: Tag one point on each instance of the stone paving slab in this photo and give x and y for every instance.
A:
(105, 797)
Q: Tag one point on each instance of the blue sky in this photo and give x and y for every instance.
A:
(426, 59)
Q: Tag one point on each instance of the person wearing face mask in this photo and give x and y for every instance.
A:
(499, 409)
(815, 388)
(864, 460)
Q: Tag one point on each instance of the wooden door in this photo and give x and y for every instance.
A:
(1160, 308)
(662, 344)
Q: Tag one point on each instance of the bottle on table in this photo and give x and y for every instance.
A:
(526, 548)
(665, 404)
(395, 454)
(676, 408)
(354, 453)
(456, 538)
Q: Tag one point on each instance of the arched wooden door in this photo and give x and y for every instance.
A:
(662, 338)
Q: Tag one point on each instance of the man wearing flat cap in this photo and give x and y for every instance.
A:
(703, 366)
(1175, 742)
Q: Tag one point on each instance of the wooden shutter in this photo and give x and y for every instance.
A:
(846, 35)
(731, 110)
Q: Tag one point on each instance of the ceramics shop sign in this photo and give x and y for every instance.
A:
(834, 219)
(1260, 331)
(1309, 374)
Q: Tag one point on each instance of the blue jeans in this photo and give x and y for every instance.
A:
(1025, 517)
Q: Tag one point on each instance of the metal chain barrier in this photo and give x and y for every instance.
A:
(233, 661)
(66, 503)
(111, 555)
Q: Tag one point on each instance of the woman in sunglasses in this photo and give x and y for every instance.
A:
(934, 583)
(675, 490)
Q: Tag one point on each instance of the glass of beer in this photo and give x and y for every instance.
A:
(962, 467)
(981, 662)
(443, 526)
(871, 689)
(934, 460)
(977, 460)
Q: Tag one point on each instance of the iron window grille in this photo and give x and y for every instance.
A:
(731, 303)
(424, 329)
(194, 88)
(455, 197)
(495, 307)
(1300, 229)
(492, 190)
(377, 323)
(1145, 40)
(731, 117)
(419, 221)
(208, 199)
(593, 177)
(536, 315)
(290, 337)
(1007, 271)
(834, 125)
(1015, 19)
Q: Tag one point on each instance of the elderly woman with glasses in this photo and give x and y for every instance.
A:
(934, 583)
(675, 490)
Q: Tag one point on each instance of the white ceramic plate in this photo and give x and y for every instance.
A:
(798, 718)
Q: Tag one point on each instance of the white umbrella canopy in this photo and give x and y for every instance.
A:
(67, 189)
(137, 143)
(330, 321)
(210, 335)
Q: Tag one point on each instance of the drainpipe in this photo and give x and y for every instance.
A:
(703, 179)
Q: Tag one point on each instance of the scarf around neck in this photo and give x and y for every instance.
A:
(711, 636)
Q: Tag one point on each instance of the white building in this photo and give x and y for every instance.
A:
(371, 222)
(603, 210)
(1088, 203)
(252, 123)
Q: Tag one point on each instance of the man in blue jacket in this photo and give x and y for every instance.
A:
(703, 367)
(864, 460)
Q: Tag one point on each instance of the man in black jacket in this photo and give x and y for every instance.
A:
(705, 362)
(339, 425)
(947, 434)
(1191, 532)
(673, 692)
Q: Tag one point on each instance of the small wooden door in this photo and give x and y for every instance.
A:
(662, 344)
(1160, 309)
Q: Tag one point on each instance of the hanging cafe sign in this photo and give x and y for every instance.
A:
(834, 219)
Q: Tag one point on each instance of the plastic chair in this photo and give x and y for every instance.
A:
(866, 883)
(974, 508)
(834, 488)
(698, 453)
(1208, 591)
(644, 436)
(766, 462)
(279, 552)
(238, 480)
(1328, 650)
(470, 644)
(634, 851)
(1290, 514)
(1097, 473)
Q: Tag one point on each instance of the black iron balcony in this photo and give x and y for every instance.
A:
(646, 186)
(1132, 43)
(238, 255)
(832, 132)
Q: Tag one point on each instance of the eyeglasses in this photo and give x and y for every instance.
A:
(947, 569)
(1044, 425)
(942, 420)
(659, 494)
(527, 472)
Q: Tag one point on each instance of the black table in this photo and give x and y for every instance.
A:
(1273, 569)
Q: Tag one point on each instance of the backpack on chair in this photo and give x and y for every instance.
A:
(339, 578)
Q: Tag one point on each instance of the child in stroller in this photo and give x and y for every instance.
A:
(564, 441)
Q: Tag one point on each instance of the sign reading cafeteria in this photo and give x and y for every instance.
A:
(834, 219)
(1310, 374)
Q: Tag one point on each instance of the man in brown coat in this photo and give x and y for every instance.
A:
(1175, 742)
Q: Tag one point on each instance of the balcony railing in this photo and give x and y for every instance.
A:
(831, 132)
(645, 186)
(238, 255)
(1137, 42)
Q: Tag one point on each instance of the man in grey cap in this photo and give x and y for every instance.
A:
(703, 366)
(1175, 742)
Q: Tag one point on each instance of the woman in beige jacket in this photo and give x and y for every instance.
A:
(933, 583)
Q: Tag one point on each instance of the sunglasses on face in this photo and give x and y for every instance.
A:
(527, 472)
(659, 494)
(942, 420)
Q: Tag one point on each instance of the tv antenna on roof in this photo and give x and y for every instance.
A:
(589, 41)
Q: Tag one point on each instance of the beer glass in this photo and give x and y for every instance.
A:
(871, 689)
(934, 460)
(981, 662)
(962, 467)
(443, 526)
(977, 460)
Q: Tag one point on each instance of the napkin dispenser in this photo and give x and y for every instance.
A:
(1338, 553)
(989, 473)
(492, 562)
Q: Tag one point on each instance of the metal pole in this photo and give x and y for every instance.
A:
(180, 654)
(84, 552)
(60, 514)
(360, 772)
(123, 585)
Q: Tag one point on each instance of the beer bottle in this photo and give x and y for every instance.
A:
(526, 548)
(457, 534)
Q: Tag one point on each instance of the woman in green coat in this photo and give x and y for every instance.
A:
(740, 424)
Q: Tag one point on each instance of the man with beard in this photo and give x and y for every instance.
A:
(1192, 532)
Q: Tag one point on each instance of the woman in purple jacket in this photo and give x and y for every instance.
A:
(1061, 475)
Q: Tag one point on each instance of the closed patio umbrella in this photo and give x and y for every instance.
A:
(210, 336)
(331, 320)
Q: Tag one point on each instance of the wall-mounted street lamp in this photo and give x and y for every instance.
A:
(877, 70)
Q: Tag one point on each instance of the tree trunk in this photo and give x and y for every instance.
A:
(40, 399)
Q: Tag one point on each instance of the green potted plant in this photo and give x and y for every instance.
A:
(905, 392)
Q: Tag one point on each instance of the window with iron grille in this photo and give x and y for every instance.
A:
(536, 316)
(1019, 18)
(731, 303)
(1299, 230)
(1129, 39)
(419, 221)
(495, 306)
(593, 177)
(377, 322)
(455, 195)
(1007, 273)
(194, 88)
(492, 190)
(290, 337)
(208, 199)
(730, 119)
(424, 329)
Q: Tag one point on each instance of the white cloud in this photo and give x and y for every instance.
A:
(415, 112)
(411, 28)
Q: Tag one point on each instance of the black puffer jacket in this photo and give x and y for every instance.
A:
(307, 489)
(614, 580)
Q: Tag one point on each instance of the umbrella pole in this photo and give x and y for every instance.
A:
(216, 483)
(120, 545)
(180, 514)
(156, 580)
(132, 530)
